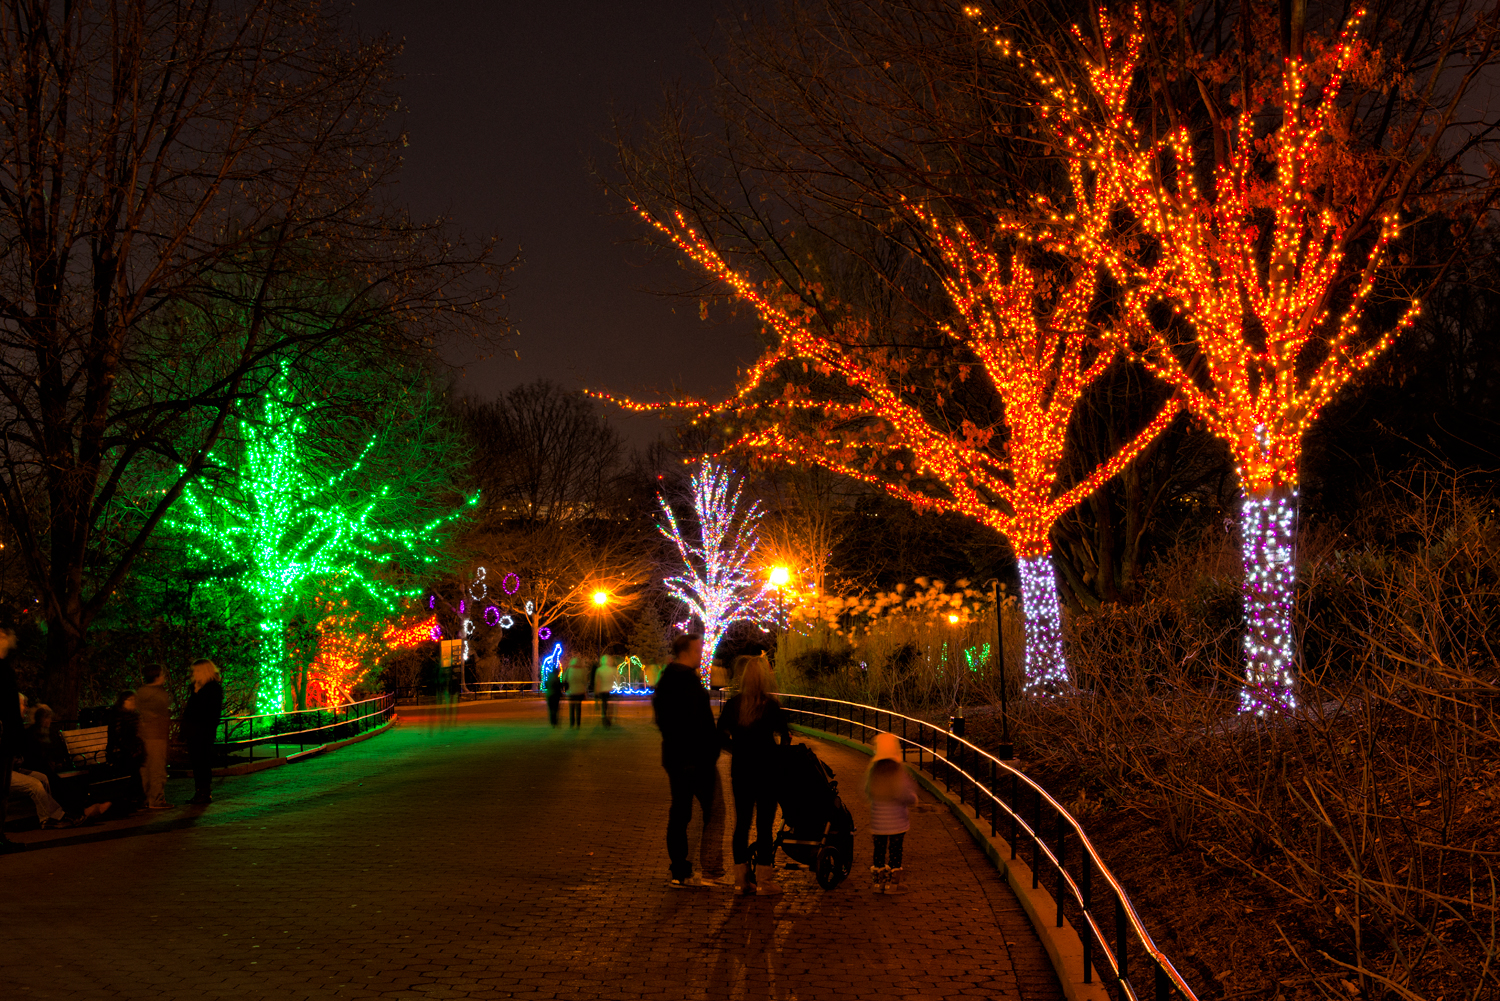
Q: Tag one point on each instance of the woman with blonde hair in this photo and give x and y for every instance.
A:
(200, 725)
(748, 727)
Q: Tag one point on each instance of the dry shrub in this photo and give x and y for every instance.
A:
(1367, 817)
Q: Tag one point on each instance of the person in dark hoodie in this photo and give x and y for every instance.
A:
(200, 727)
(690, 754)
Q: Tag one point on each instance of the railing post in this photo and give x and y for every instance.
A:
(994, 799)
(1015, 820)
(1036, 842)
(1163, 987)
(1120, 954)
(1062, 858)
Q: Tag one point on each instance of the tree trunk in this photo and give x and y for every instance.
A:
(64, 660)
(1046, 666)
(536, 655)
(1268, 545)
(270, 668)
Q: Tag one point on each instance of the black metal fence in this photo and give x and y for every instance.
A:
(1113, 935)
(243, 736)
(433, 694)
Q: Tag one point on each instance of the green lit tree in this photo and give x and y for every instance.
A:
(307, 514)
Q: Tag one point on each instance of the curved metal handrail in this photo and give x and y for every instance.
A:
(387, 705)
(1124, 908)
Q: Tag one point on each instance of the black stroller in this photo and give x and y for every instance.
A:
(817, 830)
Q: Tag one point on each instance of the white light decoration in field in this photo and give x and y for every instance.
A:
(624, 686)
(1046, 667)
(717, 584)
(1268, 535)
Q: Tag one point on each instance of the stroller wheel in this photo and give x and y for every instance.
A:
(831, 868)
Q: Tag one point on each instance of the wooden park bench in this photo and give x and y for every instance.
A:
(86, 749)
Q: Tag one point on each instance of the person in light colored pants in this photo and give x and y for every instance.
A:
(35, 785)
(155, 708)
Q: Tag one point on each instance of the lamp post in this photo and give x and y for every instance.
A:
(779, 577)
(1005, 751)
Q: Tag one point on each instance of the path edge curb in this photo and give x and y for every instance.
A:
(250, 767)
(1064, 947)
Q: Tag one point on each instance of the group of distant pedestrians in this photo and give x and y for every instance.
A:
(577, 678)
(139, 732)
(752, 726)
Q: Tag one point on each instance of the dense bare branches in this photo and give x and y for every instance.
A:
(188, 188)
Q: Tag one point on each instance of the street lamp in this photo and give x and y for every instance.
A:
(601, 598)
(780, 577)
(1005, 751)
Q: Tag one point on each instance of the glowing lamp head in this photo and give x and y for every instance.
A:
(601, 598)
(952, 619)
(780, 576)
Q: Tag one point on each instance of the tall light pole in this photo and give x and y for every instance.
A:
(1005, 751)
(780, 577)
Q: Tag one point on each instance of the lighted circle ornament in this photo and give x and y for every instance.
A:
(468, 627)
(544, 633)
(484, 588)
(431, 602)
(510, 583)
(531, 608)
(461, 609)
(492, 616)
(506, 622)
(437, 634)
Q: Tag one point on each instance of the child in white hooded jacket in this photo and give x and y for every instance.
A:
(891, 792)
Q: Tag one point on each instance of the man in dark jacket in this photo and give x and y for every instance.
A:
(11, 730)
(690, 754)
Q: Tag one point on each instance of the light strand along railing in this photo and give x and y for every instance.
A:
(239, 734)
(961, 764)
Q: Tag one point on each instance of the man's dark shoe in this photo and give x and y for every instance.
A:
(200, 800)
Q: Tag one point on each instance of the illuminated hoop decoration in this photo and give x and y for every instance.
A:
(484, 589)
(506, 621)
(461, 607)
(432, 602)
(531, 608)
(507, 586)
(492, 616)
(544, 633)
(437, 634)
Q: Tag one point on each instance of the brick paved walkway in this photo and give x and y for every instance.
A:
(487, 856)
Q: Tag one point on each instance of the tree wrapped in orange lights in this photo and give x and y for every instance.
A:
(1267, 282)
(1024, 321)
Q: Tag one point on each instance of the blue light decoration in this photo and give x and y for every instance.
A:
(717, 584)
(625, 687)
(1046, 668)
(550, 662)
(1268, 536)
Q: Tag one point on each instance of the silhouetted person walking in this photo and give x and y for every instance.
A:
(690, 754)
(200, 725)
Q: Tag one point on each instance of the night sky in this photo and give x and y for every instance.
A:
(507, 105)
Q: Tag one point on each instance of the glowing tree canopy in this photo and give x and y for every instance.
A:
(718, 583)
(1026, 326)
(297, 532)
(1266, 284)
